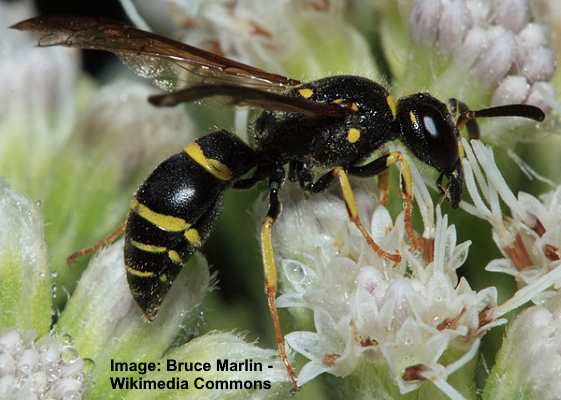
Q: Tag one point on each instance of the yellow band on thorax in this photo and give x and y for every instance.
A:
(214, 167)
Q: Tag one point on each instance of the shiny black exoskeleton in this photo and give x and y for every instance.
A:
(331, 126)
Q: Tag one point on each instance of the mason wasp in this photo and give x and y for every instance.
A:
(332, 124)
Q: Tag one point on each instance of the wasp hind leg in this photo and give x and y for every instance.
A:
(106, 241)
(270, 269)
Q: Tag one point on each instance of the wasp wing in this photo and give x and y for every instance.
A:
(251, 97)
(172, 65)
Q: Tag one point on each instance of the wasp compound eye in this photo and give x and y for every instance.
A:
(428, 131)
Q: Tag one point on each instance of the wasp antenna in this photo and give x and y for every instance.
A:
(510, 110)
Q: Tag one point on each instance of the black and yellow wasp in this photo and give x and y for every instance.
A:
(332, 124)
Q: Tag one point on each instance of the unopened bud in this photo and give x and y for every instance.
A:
(474, 44)
(423, 21)
(479, 11)
(511, 14)
(455, 20)
(542, 95)
(495, 62)
(539, 65)
(513, 89)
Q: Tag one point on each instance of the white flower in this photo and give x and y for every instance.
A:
(48, 368)
(530, 236)
(406, 316)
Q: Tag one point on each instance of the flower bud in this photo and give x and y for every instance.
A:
(424, 21)
(25, 291)
(529, 361)
(475, 43)
(511, 14)
(512, 90)
(542, 95)
(479, 11)
(455, 20)
(539, 64)
(529, 39)
(495, 61)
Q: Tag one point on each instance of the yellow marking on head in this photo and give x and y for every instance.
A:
(193, 237)
(306, 92)
(165, 222)
(214, 167)
(353, 135)
(163, 278)
(338, 101)
(174, 257)
(392, 104)
(140, 274)
(149, 248)
(413, 118)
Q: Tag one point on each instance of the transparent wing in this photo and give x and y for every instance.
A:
(172, 65)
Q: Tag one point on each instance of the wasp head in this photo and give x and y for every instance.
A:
(428, 129)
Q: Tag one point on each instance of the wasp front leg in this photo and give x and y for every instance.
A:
(380, 165)
(270, 268)
(352, 210)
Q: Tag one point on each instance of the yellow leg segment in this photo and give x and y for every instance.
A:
(407, 198)
(270, 270)
(350, 203)
(106, 241)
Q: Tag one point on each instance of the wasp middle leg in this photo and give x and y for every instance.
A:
(270, 268)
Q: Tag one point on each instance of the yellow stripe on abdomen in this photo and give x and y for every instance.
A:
(164, 222)
(214, 167)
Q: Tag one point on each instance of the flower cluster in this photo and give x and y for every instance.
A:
(49, 368)
(530, 237)
(406, 316)
(501, 42)
(409, 317)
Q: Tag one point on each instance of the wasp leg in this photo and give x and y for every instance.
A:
(352, 209)
(270, 269)
(106, 241)
(380, 165)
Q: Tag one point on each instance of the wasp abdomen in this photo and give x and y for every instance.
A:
(174, 210)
